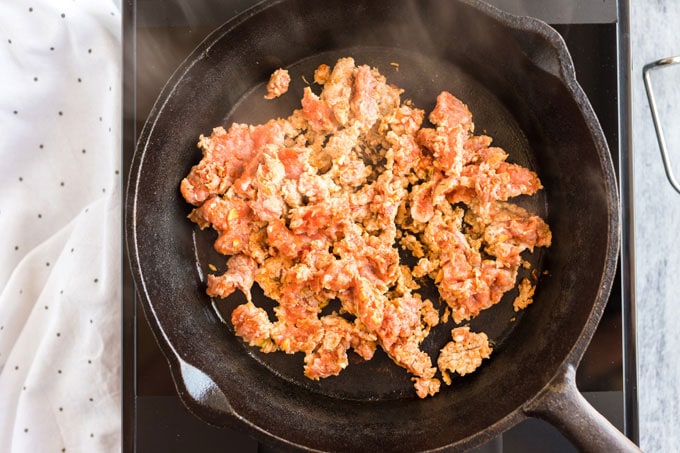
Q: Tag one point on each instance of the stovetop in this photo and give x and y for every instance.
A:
(159, 35)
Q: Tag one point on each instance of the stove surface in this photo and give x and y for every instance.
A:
(159, 35)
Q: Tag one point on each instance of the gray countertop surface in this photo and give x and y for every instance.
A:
(655, 26)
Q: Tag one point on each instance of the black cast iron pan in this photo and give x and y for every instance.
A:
(517, 77)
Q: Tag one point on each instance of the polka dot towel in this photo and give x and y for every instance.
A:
(60, 222)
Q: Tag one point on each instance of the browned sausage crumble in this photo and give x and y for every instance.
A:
(278, 84)
(315, 207)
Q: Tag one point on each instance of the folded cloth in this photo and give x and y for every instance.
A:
(60, 221)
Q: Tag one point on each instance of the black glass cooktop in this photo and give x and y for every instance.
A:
(158, 35)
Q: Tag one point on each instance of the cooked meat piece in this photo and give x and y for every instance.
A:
(225, 154)
(317, 112)
(450, 112)
(322, 73)
(337, 90)
(252, 324)
(364, 103)
(330, 355)
(240, 275)
(464, 354)
(278, 84)
(525, 296)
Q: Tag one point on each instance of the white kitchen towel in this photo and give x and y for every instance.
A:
(60, 226)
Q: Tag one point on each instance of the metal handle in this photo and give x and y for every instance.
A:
(655, 116)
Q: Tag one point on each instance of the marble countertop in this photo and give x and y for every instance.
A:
(654, 28)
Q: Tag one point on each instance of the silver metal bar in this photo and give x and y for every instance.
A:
(655, 115)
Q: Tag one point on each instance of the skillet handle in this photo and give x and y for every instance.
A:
(564, 407)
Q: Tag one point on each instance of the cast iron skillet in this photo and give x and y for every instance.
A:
(517, 77)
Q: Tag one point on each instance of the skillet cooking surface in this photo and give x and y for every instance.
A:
(517, 79)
